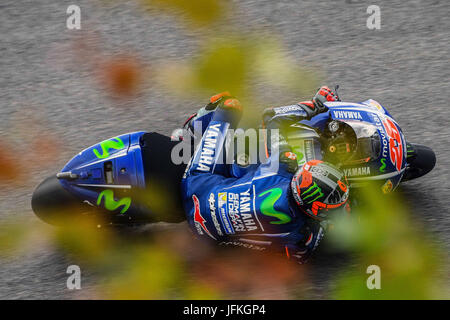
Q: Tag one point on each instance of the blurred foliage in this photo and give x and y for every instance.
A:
(19, 235)
(235, 64)
(381, 232)
(170, 263)
(11, 237)
(123, 75)
(29, 134)
(199, 13)
(9, 170)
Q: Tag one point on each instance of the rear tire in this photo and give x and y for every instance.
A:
(54, 204)
(422, 161)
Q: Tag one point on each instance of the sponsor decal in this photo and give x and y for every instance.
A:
(384, 139)
(387, 186)
(374, 104)
(305, 151)
(207, 153)
(111, 204)
(309, 150)
(313, 193)
(188, 167)
(114, 143)
(212, 208)
(267, 206)
(395, 144)
(354, 115)
(242, 244)
(318, 238)
(357, 171)
(198, 219)
(287, 109)
(239, 211)
(383, 165)
(223, 212)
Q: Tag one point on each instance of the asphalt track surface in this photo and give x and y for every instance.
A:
(403, 66)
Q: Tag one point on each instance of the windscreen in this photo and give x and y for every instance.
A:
(368, 145)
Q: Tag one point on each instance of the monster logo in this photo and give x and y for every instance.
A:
(114, 143)
(312, 191)
(111, 204)
(268, 203)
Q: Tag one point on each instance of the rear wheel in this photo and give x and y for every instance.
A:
(54, 204)
(421, 160)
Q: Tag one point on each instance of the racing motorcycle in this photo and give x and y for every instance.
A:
(130, 179)
(364, 141)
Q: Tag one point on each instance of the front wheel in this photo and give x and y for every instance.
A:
(421, 160)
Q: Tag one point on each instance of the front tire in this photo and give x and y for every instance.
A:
(421, 160)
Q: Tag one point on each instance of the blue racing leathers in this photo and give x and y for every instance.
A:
(255, 210)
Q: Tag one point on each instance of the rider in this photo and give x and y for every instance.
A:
(276, 206)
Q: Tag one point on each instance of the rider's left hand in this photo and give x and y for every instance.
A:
(214, 102)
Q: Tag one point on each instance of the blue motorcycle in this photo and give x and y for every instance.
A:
(131, 179)
(365, 142)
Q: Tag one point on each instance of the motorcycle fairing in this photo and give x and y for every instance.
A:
(114, 164)
(391, 162)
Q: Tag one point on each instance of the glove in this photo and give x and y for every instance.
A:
(324, 94)
(312, 235)
(228, 109)
(205, 113)
(317, 104)
(215, 100)
(290, 160)
(230, 103)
